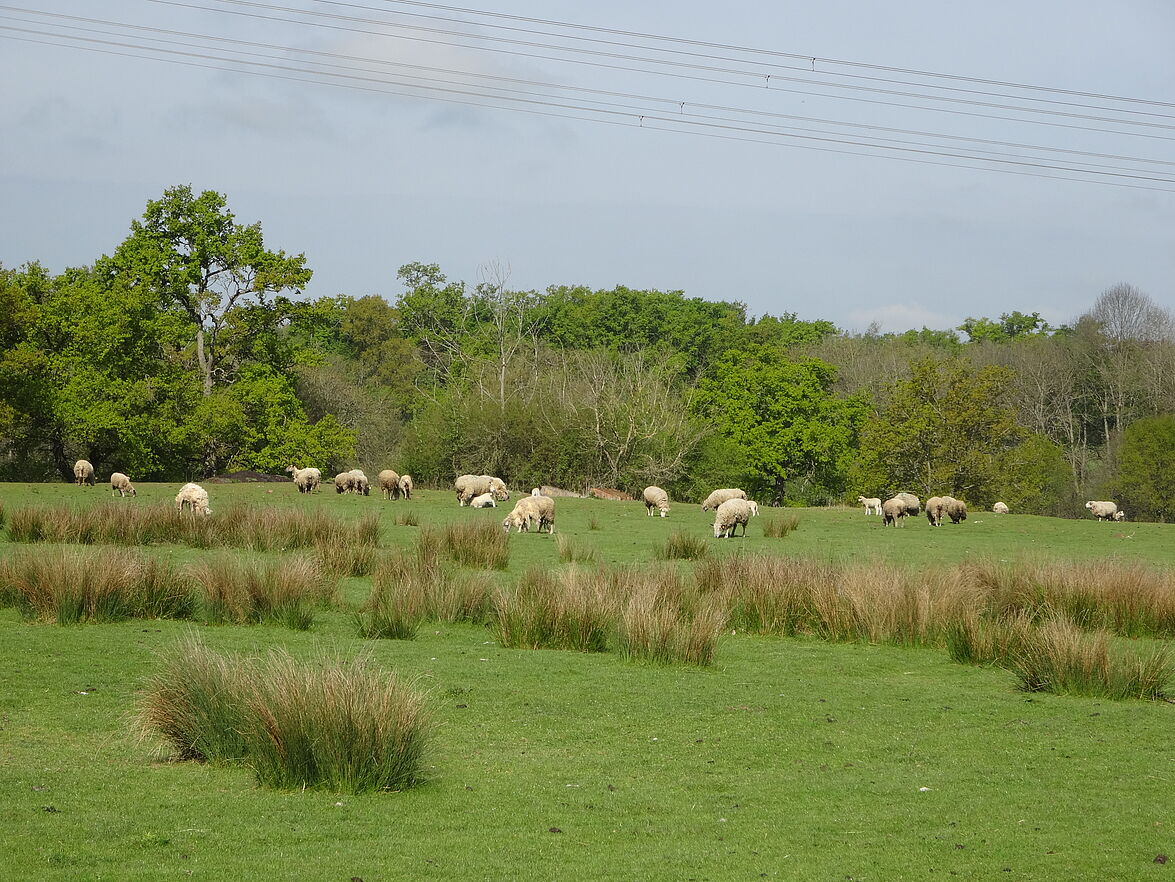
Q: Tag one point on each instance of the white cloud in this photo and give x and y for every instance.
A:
(901, 317)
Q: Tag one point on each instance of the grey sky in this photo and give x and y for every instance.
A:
(363, 182)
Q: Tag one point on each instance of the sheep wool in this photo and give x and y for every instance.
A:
(83, 473)
(656, 498)
(729, 515)
(718, 497)
(121, 484)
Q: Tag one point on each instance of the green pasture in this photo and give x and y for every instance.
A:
(787, 759)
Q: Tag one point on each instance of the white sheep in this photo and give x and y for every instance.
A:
(406, 486)
(656, 498)
(956, 509)
(1103, 511)
(729, 515)
(718, 497)
(894, 511)
(121, 484)
(389, 484)
(528, 509)
(344, 482)
(1119, 515)
(83, 473)
(486, 500)
(193, 497)
(913, 504)
(360, 484)
(535, 491)
(1000, 508)
(469, 486)
(754, 508)
(306, 480)
(936, 507)
(872, 504)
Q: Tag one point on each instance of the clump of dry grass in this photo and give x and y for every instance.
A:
(479, 544)
(665, 621)
(334, 723)
(571, 551)
(778, 526)
(250, 591)
(67, 586)
(681, 545)
(572, 609)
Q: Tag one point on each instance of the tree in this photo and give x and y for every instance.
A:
(785, 417)
(944, 430)
(1011, 326)
(190, 251)
(1146, 463)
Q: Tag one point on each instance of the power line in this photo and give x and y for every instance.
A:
(710, 126)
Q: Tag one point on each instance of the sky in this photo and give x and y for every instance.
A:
(712, 202)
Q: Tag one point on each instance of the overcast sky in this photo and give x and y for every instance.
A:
(363, 180)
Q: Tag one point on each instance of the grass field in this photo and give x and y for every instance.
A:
(787, 758)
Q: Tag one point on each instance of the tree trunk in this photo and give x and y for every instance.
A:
(205, 361)
(57, 450)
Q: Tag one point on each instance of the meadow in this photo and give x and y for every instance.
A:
(798, 754)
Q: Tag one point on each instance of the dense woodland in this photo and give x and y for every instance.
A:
(190, 351)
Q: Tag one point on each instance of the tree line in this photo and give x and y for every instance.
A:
(190, 351)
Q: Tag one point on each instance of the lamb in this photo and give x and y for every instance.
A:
(469, 486)
(83, 473)
(535, 491)
(894, 510)
(656, 498)
(306, 480)
(1103, 511)
(121, 484)
(936, 507)
(872, 504)
(956, 509)
(1000, 508)
(486, 500)
(389, 484)
(360, 484)
(193, 497)
(729, 515)
(406, 486)
(1119, 515)
(531, 508)
(718, 497)
(754, 508)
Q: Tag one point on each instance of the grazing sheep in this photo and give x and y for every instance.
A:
(729, 515)
(193, 497)
(718, 497)
(486, 500)
(121, 484)
(1103, 511)
(872, 504)
(389, 484)
(344, 482)
(360, 484)
(306, 480)
(894, 511)
(540, 509)
(956, 509)
(656, 498)
(406, 486)
(912, 503)
(469, 486)
(83, 473)
(936, 507)
(1000, 508)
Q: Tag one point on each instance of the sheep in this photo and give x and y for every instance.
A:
(306, 480)
(936, 507)
(531, 508)
(83, 473)
(718, 497)
(486, 500)
(344, 482)
(1103, 511)
(754, 508)
(535, 491)
(1000, 508)
(956, 509)
(656, 498)
(894, 510)
(469, 486)
(360, 484)
(872, 504)
(912, 503)
(406, 486)
(193, 497)
(729, 515)
(389, 484)
(1119, 515)
(121, 484)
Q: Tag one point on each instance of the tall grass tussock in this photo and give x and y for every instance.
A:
(570, 609)
(778, 526)
(681, 545)
(479, 544)
(250, 591)
(339, 724)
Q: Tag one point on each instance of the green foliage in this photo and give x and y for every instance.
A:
(1011, 326)
(944, 430)
(786, 418)
(1146, 463)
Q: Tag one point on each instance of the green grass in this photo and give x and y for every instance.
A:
(787, 757)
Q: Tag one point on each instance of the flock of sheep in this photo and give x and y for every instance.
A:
(731, 506)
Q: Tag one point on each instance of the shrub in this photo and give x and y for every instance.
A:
(682, 546)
